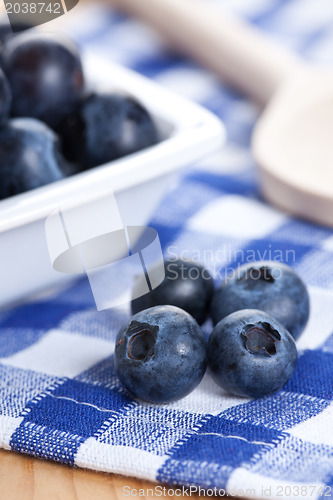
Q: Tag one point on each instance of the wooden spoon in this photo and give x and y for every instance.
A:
(293, 139)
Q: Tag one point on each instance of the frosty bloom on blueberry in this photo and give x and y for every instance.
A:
(251, 354)
(30, 156)
(45, 75)
(269, 286)
(160, 354)
(106, 126)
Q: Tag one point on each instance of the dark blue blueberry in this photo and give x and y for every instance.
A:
(45, 75)
(160, 354)
(29, 156)
(5, 98)
(187, 285)
(269, 286)
(107, 126)
(251, 354)
(71, 133)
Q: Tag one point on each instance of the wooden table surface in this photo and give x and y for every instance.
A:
(25, 478)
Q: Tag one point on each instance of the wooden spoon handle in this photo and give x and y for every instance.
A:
(237, 53)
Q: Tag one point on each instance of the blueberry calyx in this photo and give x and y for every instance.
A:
(253, 274)
(261, 339)
(142, 338)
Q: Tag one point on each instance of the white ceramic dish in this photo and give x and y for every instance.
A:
(138, 181)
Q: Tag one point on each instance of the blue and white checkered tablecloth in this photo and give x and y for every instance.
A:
(60, 398)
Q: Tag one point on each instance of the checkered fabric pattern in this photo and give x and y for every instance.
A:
(60, 398)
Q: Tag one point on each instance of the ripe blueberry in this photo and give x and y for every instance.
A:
(251, 354)
(30, 156)
(106, 127)
(269, 286)
(160, 354)
(45, 75)
(187, 285)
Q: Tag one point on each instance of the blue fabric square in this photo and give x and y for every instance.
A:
(37, 315)
(214, 450)
(79, 294)
(13, 340)
(313, 375)
(194, 473)
(155, 65)
(183, 203)
(283, 251)
(231, 184)
(46, 442)
(77, 408)
(226, 442)
(301, 232)
(280, 411)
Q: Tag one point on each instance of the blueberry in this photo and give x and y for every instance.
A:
(160, 354)
(29, 156)
(251, 354)
(187, 285)
(5, 98)
(107, 126)
(45, 75)
(270, 286)
(71, 133)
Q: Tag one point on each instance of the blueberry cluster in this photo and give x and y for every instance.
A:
(161, 353)
(50, 125)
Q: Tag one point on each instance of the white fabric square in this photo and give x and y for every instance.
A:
(318, 429)
(230, 159)
(18, 386)
(8, 426)
(194, 83)
(62, 354)
(127, 42)
(328, 243)
(320, 324)
(246, 9)
(120, 459)
(237, 216)
(150, 428)
(258, 486)
(321, 52)
(207, 398)
(243, 112)
(315, 16)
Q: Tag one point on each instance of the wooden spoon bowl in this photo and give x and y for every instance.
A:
(293, 145)
(293, 139)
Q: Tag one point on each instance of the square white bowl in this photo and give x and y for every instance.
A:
(138, 181)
